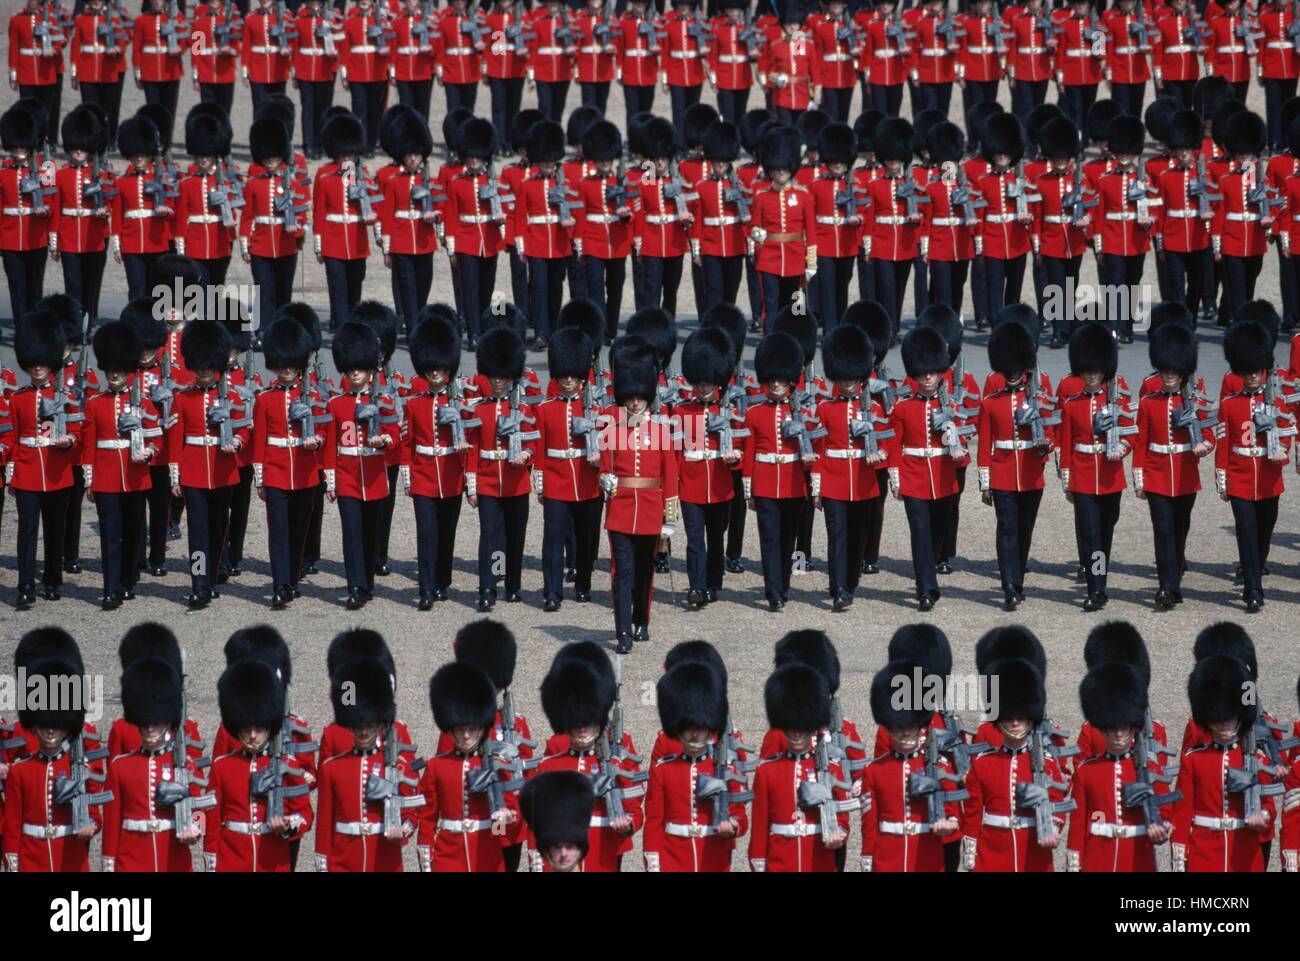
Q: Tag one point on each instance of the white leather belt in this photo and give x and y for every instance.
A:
(605, 218)
(1000, 218)
(886, 54)
(660, 219)
(48, 833)
(78, 212)
(464, 826)
(1278, 45)
(1090, 448)
(212, 51)
(359, 829)
(153, 826)
(203, 219)
(841, 57)
(408, 214)
(309, 52)
(412, 51)
(1116, 830)
(358, 451)
(1188, 48)
(1231, 50)
(928, 52)
(776, 458)
(947, 221)
(598, 821)
(36, 441)
(638, 53)
(28, 52)
(1079, 52)
(475, 218)
(544, 219)
(725, 221)
(891, 221)
(1017, 444)
(568, 453)
(1058, 219)
(370, 48)
(493, 454)
(592, 49)
(800, 829)
(1240, 217)
(19, 211)
(206, 440)
(684, 54)
(268, 221)
(245, 827)
(1033, 51)
(701, 454)
(424, 450)
(154, 50)
(1122, 215)
(925, 451)
(343, 218)
(1184, 214)
(138, 214)
(1242, 451)
(982, 51)
(120, 443)
(1169, 448)
(852, 453)
(277, 49)
(284, 441)
(833, 221)
(906, 828)
(544, 51)
(689, 830)
(1218, 824)
(732, 58)
(94, 48)
(1006, 821)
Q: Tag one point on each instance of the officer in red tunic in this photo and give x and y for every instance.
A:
(245, 835)
(783, 229)
(460, 827)
(39, 464)
(790, 792)
(121, 439)
(1010, 462)
(140, 829)
(79, 213)
(557, 807)
(1108, 830)
(1167, 453)
(789, 68)
(350, 832)
(38, 830)
(27, 194)
(844, 476)
(579, 692)
(475, 214)
(900, 832)
(662, 204)
(1211, 829)
(684, 831)
(638, 38)
(1246, 475)
(565, 479)
(1000, 833)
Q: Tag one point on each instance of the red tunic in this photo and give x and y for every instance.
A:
(637, 39)
(136, 225)
(124, 738)
(471, 225)
(771, 465)
(1054, 232)
(349, 829)
(782, 835)
(789, 227)
(564, 471)
(892, 835)
(550, 59)
(1277, 54)
(22, 227)
(230, 848)
(883, 58)
(1177, 43)
(278, 457)
(605, 845)
(506, 58)
(199, 231)
(1098, 790)
(730, 62)
(1008, 461)
(645, 452)
(264, 58)
(138, 834)
(459, 57)
(455, 825)
(98, 48)
(790, 70)
(29, 63)
(537, 222)
(1162, 459)
(1078, 62)
(106, 454)
(1202, 777)
(658, 226)
(37, 464)
(315, 57)
(919, 464)
(594, 59)
(353, 468)
(430, 465)
(1239, 228)
(1126, 58)
(74, 228)
(719, 230)
(361, 57)
(1227, 56)
(1084, 467)
(703, 476)
(37, 832)
(338, 227)
(1003, 234)
(194, 457)
(150, 54)
(1006, 846)
(841, 471)
(677, 823)
(1242, 467)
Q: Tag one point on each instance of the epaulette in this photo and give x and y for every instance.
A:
(1198, 747)
(1089, 760)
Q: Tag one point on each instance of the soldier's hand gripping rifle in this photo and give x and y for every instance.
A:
(45, 31)
(8, 742)
(616, 193)
(1036, 794)
(558, 196)
(1022, 191)
(284, 206)
(452, 414)
(967, 199)
(496, 757)
(950, 419)
(519, 36)
(1274, 747)
(221, 415)
(646, 28)
(74, 790)
(491, 193)
(700, 33)
(1076, 203)
(750, 36)
(728, 770)
(269, 781)
(1037, 412)
(866, 428)
(99, 188)
(1188, 415)
(1141, 793)
(387, 785)
(1106, 422)
(1199, 189)
(675, 189)
(231, 29)
(950, 741)
(584, 427)
(819, 795)
(609, 751)
(1247, 33)
(723, 424)
(1245, 780)
(950, 30)
(511, 426)
(1268, 417)
(176, 793)
(928, 784)
(227, 196)
(33, 187)
(999, 33)
(389, 396)
(308, 413)
(174, 29)
(803, 428)
(130, 422)
(896, 30)
(840, 744)
(55, 409)
(910, 192)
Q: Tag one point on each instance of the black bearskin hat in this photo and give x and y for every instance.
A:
(557, 808)
(730, 319)
(847, 354)
(778, 357)
(659, 139)
(574, 694)
(797, 699)
(489, 645)
(925, 644)
(63, 680)
(1019, 688)
(1218, 689)
(947, 322)
(699, 118)
(1170, 312)
(1012, 641)
(892, 139)
(343, 136)
(602, 141)
(1002, 134)
(721, 142)
(1113, 695)
(206, 345)
(263, 643)
(1183, 131)
(1117, 641)
(477, 138)
(1229, 639)
(587, 317)
(636, 376)
(19, 129)
(707, 357)
(250, 695)
(286, 345)
(1173, 347)
(691, 695)
(303, 315)
(462, 695)
(1100, 115)
(779, 149)
(435, 346)
(749, 127)
(658, 328)
(1012, 349)
(812, 647)
(268, 140)
(151, 693)
(359, 644)
(801, 325)
(569, 353)
(894, 694)
(1092, 347)
(521, 125)
(1158, 115)
(117, 347)
(1058, 139)
(361, 693)
(149, 639)
(206, 136)
(925, 352)
(501, 354)
(43, 642)
(82, 130)
(1244, 134)
(945, 143)
(1248, 347)
(355, 347)
(39, 340)
(545, 142)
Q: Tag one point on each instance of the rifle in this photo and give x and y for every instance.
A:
(83, 361)
(55, 409)
(1200, 189)
(616, 193)
(163, 393)
(885, 388)
(799, 428)
(728, 769)
(646, 28)
(996, 31)
(1106, 420)
(585, 426)
(131, 422)
(308, 413)
(1036, 414)
(358, 189)
(387, 785)
(221, 414)
(897, 31)
(386, 390)
(722, 423)
(246, 391)
(1075, 203)
(1140, 29)
(909, 191)
(473, 28)
(495, 757)
(10, 743)
(172, 29)
(733, 192)
(1268, 416)
(950, 30)
(947, 418)
(117, 26)
(1244, 31)
(227, 195)
(851, 198)
(269, 782)
(558, 196)
(75, 789)
(700, 33)
(609, 749)
(1092, 33)
(750, 36)
(820, 794)
(1265, 197)
(1273, 746)
(1141, 793)
(491, 192)
(928, 784)
(566, 35)
(175, 793)
(1187, 416)
(1021, 190)
(31, 185)
(1036, 794)
(451, 414)
(517, 35)
(161, 186)
(283, 205)
(950, 741)
(508, 732)
(381, 31)
(510, 426)
(864, 428)
(99, 188)
(46, 32)
(423, 30)
(1245, 781)
(231, 28)
(675, 190)
(968, 200)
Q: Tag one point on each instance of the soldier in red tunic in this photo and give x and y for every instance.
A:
(786, 831)
(38, 831)
(98, 56)
(790, 69)
(266, 50)
(1108, 831)
(319, 35)
(1010, 461)
(899, 830)
(407, 223)
(341, 218)
(639, 39)
(149, 640)
(543, 225)
(79, 213)
(550, 58)
(143, 211)
(140, 829)
(158, 54)
(350, 826)
(1246, 475)
(684, 830)
(121, 439)
(783, 230)
(39, 462)
(273, 220)
(476, 211)
(1212, 831)
(718, 241)
(202, 231)
(26, 207)
(504, 66)
(1243, 219)
(460, 828)
(246, 835)
(1129, 39)
(557, 807)
(36, 61)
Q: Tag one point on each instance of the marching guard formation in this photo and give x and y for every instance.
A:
(930, 793)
